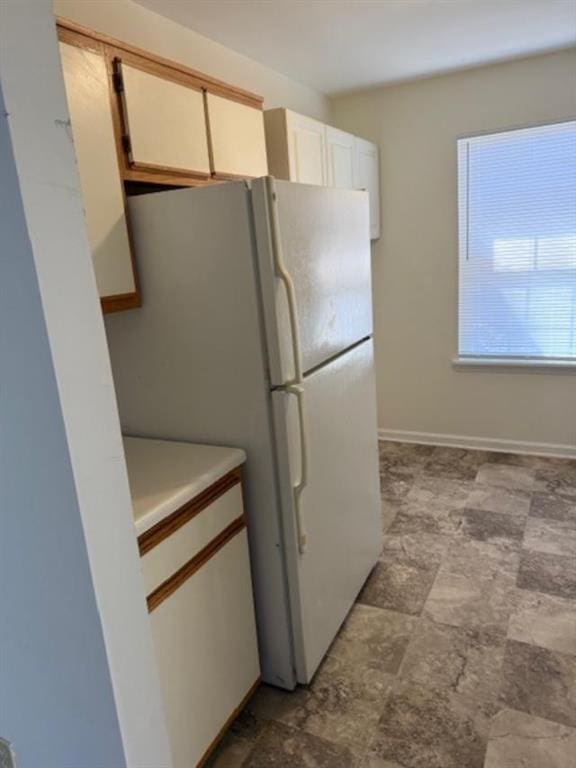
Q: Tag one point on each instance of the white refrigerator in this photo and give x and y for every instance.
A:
(256, 331)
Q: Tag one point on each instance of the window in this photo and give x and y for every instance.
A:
(517, 243)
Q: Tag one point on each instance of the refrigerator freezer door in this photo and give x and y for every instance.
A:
(323, 242)
(340, 503)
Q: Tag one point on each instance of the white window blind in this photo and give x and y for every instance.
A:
(517, 243)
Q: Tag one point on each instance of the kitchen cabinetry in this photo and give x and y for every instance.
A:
(86, 82)
(164, 122)
(367, 176)
(189, 518)
(340, 158)
(237, 138)
(296, 147)
(141, 122)
(306, 150)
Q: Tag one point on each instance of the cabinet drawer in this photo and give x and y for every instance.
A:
(205, 642)
(171, 553)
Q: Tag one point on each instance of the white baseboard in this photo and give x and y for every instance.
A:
(478, 443)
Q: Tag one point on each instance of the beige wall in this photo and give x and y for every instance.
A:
(139, 26)
(415, 262)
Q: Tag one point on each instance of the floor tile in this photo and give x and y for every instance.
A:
(398, 585)
(404, 458)
(463, 661)
(389, 510)
(518, 740)
(501, 529)
(425, 517)
(555, 537)
(474, 587)
(558, 481)
(506, 476)
(394, 486)
(424, 728)
(341, 705)
(427, 549)
(283, 747)
(440, 491)
(454, 463)
(374, 638)
(544, 620)
(539, 682)
(551, 574)
(498, 499)
(553, 507)
(480, 560)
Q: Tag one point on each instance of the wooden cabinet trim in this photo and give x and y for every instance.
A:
(179, 71)
(186, 512)
(120, 302)
(182, 575)
(222, 732)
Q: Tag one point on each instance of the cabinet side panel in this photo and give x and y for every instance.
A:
(86, 81)
(277, 143)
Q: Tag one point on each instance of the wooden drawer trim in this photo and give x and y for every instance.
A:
(179, 71)
(186, 512)
(189, 569)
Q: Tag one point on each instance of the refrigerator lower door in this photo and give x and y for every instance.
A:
(339, 515)
(313, 248)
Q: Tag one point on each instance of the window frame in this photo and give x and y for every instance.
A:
(502, 364)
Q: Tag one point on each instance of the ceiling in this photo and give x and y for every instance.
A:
(340, 45)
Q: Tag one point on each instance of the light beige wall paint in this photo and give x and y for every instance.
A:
(133, 24)
(415, 262)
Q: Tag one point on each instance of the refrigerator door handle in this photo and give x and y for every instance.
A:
(298, 391)
(283, 274)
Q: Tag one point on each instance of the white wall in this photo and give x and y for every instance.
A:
(137, 25)
(78, 678)
(415, 262)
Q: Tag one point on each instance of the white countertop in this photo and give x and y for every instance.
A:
(164, 475)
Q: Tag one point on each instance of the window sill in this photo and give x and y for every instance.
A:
(477, 364)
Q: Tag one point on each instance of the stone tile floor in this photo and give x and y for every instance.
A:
(461, 649)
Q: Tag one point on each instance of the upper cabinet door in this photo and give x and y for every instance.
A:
(306, 149)
(237, 138)
(340, 158)
(367, 176)
(165, 122)
(89, 105)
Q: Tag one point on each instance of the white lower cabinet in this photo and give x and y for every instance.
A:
(196, 570)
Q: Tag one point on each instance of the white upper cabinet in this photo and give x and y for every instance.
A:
(307, 153)
(237, 138)
(367, 176)
(340, 158)
(306, 150)
(88, 95)
(165, 122)
(296, 147)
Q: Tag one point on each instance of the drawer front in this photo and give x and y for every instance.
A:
(205, 642)
(171, 553)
